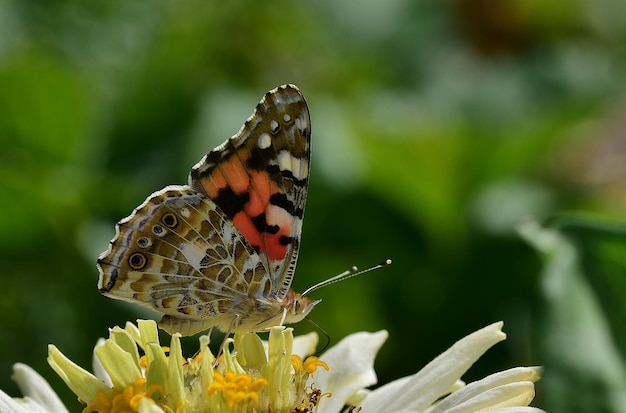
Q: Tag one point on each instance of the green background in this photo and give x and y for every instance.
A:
(480, 144)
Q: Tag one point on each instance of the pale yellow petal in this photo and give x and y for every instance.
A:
(84, 384)
(119, 364)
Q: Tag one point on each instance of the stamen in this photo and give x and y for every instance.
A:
(309, 366)
(302, 371)
(312, 363)
(312, 399)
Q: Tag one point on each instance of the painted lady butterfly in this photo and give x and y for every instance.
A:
(222, 250)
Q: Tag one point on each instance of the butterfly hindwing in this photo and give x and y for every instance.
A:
(180, 255)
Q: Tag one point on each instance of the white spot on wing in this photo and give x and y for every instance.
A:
(274, 125)
(193, 254)
(265, 141)
(278, 216)
(302, 123)
(298, 167)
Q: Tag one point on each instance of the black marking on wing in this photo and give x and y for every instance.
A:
(230, 202)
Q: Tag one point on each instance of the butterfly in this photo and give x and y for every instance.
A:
(221, 251)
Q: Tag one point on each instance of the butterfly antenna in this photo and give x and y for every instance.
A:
(352, 272)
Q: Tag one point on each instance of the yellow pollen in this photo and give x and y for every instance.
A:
(312, 363)
(126, 400)
(296, 362)
(236, 388)
(309, 366)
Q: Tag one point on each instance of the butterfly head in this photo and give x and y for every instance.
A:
(297, 306)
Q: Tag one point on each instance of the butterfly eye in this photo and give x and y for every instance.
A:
(137, 261)
(169, 220)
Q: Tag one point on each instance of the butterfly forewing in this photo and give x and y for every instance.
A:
(259, 179)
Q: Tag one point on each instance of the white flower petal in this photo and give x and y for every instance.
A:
(33, 386)
(358, 397)
(305, 345)
(11, 405)
(351, 364)
(520, 409)
(509, 395)
(98, 368)
(514, 375)
(32, 406)
(437, 378)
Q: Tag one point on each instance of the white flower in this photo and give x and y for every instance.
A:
(351, 370)
(257, 376)
(38, 395)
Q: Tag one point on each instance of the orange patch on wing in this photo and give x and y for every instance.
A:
(235, 173)
(260, 188)
(244, 224)
(229, 173)
(275, 251)
(259, 194)
(213, 183)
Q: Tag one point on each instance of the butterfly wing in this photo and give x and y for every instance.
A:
(259, 178)
(180, 255)
(202, 253)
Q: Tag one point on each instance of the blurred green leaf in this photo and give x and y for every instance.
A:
(585, 370)
(45, 118)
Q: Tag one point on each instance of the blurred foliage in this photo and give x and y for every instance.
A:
(581, 354)
(438, 127)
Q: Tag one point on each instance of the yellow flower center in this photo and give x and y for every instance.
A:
(124, 401)
(236, 388)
